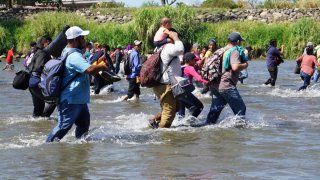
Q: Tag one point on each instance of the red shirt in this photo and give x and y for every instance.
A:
(10, 57)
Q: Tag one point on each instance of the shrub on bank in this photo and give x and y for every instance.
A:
(146, 22)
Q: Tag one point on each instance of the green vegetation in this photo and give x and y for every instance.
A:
(146, 22)
(228, 4)
(266, 4)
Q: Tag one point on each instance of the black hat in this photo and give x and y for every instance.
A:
(212, 41)
(188, 56)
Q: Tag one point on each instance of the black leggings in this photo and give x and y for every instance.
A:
(40, 108)
(273, 71)
(192, 103)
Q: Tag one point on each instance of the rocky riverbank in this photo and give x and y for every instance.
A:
(263, 15)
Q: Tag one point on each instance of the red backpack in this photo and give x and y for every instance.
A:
(150, 73)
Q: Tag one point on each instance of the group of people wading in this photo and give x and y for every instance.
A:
(178, 59)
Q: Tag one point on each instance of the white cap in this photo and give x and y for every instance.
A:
(137, 43)
(74, 32)
(309, 44)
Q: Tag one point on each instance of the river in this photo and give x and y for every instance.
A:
(281, 140)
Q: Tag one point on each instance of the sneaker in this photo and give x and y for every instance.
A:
(153, 124)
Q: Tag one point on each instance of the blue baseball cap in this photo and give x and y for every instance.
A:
(235, 36)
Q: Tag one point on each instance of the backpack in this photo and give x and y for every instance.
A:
(226, 59)
(150, 73)
(52, 78)
(212, 68)
(27, 60)
(127, 66)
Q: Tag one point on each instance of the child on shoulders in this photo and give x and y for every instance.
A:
(161, 36)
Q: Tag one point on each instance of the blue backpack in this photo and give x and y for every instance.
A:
(52, 78)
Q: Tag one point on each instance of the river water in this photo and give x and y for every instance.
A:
(281, 140)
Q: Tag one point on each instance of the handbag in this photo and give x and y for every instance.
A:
(180, 85)
(21, 80)
(297, 68)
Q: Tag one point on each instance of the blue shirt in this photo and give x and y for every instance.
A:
(272, 54)
(134, 64)
(78, 91)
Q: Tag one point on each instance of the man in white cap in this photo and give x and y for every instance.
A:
(72, 106)
(133, 77)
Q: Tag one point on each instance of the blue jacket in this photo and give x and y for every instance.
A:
(134, 64)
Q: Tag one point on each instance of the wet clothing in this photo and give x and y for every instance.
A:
(306, 80)
(188, 100)
(191, 102)
(70, 114)
(221, 99)
(308, 65)
(40, 106)
(167, 101)
(227, 93)
(41, 109)
(273, 58)
(273, 71)
(134, 88)
(72, 107)
(168, 105)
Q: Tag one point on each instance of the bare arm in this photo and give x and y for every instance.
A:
(239, 67)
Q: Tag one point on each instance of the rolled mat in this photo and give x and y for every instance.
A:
(58, 43)
(109, 76)
(96, 56)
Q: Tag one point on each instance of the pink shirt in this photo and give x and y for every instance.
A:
(308, 62)
(192, 73)
(160, 35)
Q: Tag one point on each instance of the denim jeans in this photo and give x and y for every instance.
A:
(70, 114)
(306, 80)
(222, 98)
(315, 76)
(191, 102)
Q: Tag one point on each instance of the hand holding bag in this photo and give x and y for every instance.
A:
(180, 85)
(297, 68)
(21, 80)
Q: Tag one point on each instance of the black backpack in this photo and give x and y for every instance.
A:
(127, 65)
